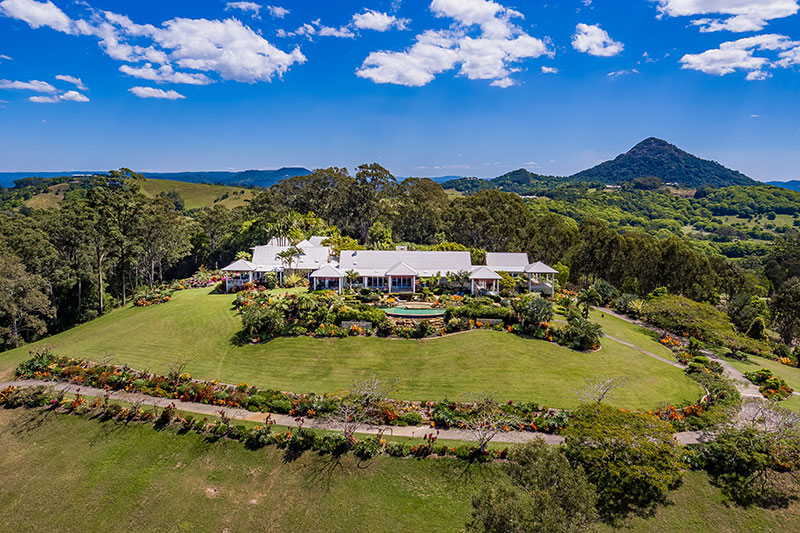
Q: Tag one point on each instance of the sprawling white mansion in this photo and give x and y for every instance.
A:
(394, 271)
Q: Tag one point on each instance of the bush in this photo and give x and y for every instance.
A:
(412, 419)
(771, 386)
(582, 334)
(476, 311)
(367, 448)
(599, 437)
(424, 329)
(606, 291)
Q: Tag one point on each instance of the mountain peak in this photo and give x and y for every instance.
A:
(655, 157)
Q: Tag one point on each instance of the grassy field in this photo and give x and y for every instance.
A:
(199, 326)
(62, 472)
(195, 195)
(110, 477)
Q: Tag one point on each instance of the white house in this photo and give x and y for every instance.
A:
(266, 258)
(395, 271)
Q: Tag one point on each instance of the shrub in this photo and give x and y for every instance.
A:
(423, 329)
(367, 448)
(771, 386)
(534, 310)
(582, 334)
(412, 419)
(597, 439)
(606, 291)
(475, 311)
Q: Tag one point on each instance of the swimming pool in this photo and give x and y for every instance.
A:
(402, 311)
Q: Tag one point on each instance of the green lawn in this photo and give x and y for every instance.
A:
(67, 473)
(631, 333)
(199, 326)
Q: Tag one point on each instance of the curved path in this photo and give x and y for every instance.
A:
(511, 437)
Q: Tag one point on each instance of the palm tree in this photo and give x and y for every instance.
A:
(352, 277)
(589, 298)
(289, 255)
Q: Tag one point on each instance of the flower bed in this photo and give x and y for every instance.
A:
(771, 386)
(158, 296)
(294, 440)
(47, 366)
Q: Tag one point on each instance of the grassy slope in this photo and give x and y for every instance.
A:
(116, 478)
(199, 325)
(112, 477)
(197, 194)
(789, 374)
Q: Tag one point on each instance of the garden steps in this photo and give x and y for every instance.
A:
(511, 437)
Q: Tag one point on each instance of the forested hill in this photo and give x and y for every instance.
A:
(254, 178)
(656, 158)
(651, 158)
(793, 185)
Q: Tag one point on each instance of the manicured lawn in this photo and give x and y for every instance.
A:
(631, 333)
(65, 473)
(199, 326)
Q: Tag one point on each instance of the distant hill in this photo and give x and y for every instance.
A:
(793, 185)
(660, 159)
(252, 178)
(650, 158)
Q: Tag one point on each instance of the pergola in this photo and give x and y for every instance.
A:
(543, 275)
(238, 273)
(482, 278)
(326, 276)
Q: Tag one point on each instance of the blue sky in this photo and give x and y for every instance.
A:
(426, 87)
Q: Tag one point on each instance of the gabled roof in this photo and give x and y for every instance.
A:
(316, 240)
(240, 265)
(424, 263)
(483, 272)
(328, 271)
(540, 268)
(312, 258)
(507, 262)
(401, 269)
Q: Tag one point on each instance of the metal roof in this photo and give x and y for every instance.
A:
(328, 271)
(424, 263)
(507, 262)
(483, 272)
(540, 268)
(240, 265)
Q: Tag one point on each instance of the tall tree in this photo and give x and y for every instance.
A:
(24, 303)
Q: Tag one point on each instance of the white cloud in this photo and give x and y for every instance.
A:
(741, 55)
(375, 20)
(741, 15)
(594, 40)
(489, 55)
(342, 32)
(165, 73)
(73, 96)
(245, 7)
(277, 11)
(77, 82)
(68, 96)
(549, 70)
(152, 92)
(618, 73)
(37, 14)
(33, 85)
(226, 47)
(6, 58)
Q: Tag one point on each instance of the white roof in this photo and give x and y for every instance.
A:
(316, 240)
(424, 263)
(313, 257)
(328, 271)
(507, 262)
(240, 265)
(483, 272)
(401, 269)
(540, 268)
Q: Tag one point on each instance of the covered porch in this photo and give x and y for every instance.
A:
(541, 278)
(484, 279)
(328, 278)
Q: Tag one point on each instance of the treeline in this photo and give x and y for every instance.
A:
(108, 241)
